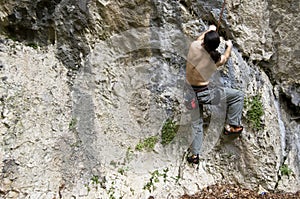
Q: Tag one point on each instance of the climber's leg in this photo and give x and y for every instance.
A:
(235, 103)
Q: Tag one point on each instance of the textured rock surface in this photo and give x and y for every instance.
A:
(36, 111)
(268, 31)
(87, 81)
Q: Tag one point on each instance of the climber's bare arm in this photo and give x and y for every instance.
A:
(226, 54)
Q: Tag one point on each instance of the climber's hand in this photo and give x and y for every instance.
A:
(228, 43)
(212, 27)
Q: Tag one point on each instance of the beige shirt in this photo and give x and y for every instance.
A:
(199, 66)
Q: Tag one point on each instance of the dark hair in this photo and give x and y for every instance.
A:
(211, 43)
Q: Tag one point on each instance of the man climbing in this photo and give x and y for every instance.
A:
(202, 61)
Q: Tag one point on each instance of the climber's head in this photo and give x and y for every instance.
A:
(211, 40)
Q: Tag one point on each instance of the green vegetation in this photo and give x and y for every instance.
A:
(139, 146)
(87, 187)
(155, 179)
(33, 45)
(129, 154)
(168, 132)
(12, 37)
(122, 170)
(285, 170)
(72, 124)
(95, 180)
(255, 110)
(111, 191)
(132, 191)
(164, 174)
(147, 144)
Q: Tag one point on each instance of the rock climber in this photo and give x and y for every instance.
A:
(202, 61)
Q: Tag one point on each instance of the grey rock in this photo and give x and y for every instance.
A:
(85, 82)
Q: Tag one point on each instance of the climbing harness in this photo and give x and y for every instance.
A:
(221, 14)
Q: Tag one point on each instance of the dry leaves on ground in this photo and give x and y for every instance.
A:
(234, 192)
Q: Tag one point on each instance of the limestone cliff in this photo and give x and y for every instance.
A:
(87, 88)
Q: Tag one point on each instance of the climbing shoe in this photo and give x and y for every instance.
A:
(232, 130)
(193, 159)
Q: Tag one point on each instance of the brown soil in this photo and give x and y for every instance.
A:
(235, 192)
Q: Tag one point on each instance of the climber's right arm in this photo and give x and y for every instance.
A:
(226, 55)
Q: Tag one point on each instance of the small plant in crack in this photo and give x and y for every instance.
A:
(72, 124)
(87, 187)
(255, 111)
(285, 170)
(153, 179)
(155, 175)
(123, 170)
(129, 154)
(168, 132)
(95, 180)
(148, 144)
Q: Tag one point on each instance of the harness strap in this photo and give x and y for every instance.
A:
(198, 89)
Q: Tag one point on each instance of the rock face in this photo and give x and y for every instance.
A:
(264, 31)
(88, 86)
